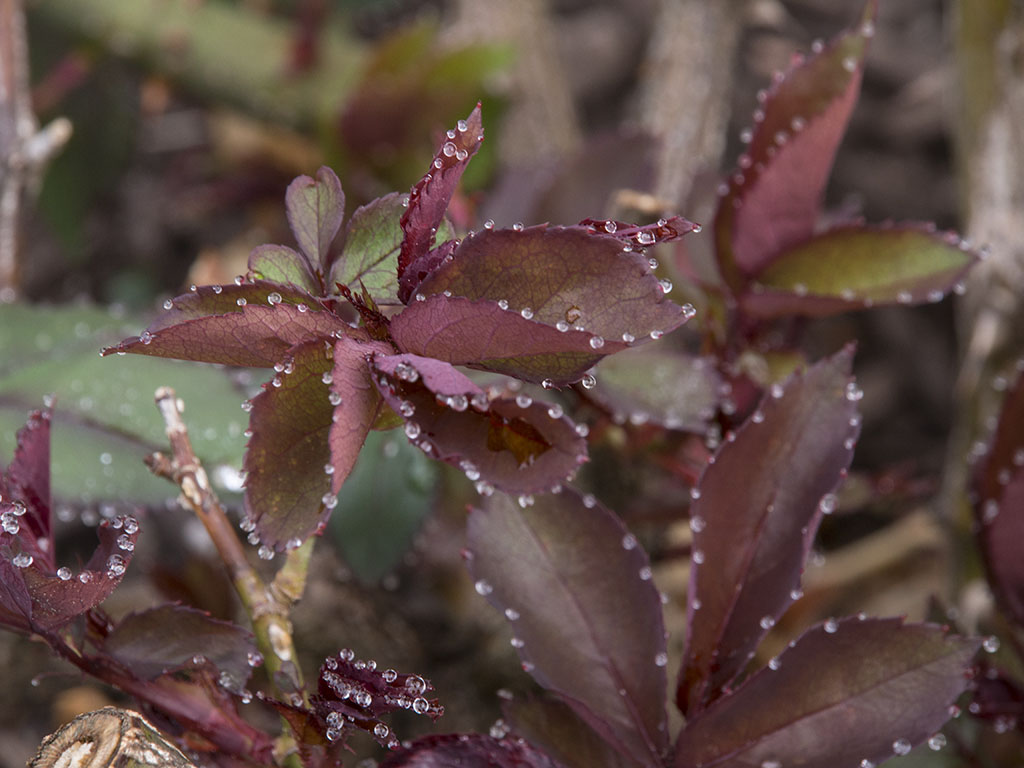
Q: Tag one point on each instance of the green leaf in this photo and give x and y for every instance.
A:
(370, 255)
(104, 420)
(280, 264)
(855, 267)
(382, 504)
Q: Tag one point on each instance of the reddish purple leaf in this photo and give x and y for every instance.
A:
(280, 264)
(576, 588)
(428, 200)
(642, 236)
(516, 445)
(751, 537)
(355, 694)
(482, 335)
(316, 208)
(469, 750)
(15, 601)
(358, 404)
(855, 267)
(847, 693)
(287, 490)
(206, 300)
(999, 506)
(772, 201)
(169, 637)
(28, 476)
(253, 336)
(565, 277)
(551, 725)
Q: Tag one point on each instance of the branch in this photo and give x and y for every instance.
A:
(267, 608)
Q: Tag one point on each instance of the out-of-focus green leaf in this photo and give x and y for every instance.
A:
(382, 504)
(855, 267)
(105, 421)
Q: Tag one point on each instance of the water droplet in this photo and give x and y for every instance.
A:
(412, 430)
(483, 587)
(698, 556)
(774, 663)
(990, 644)
(867, 29)
(588, 381)
(757, 417)
(697, 523)
(645, 573)
(853, 392)
(21, 560)
(518, 226)
(666, 286)
(796, 594)
(629, 541)
(555, 411)
(168, 304)
(458, 403)
(115, 566)
(582, 430)
(661, 659)
(901, 747)
(596, 342)
(850, 64)
(512, 614)
(274, 298)
(240, 301)
(334, 398)
(525, 500)
(526, 312)
(767, 622)
(420, 705)
(937, 742)
(562, 326)
(516, 643)
(831, 626)
(265, 552)
(656, 334)
(63, 573)
(827, 505)
(524, 401)
(771, 764)
(865, 763)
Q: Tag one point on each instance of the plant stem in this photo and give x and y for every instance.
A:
(267, 607)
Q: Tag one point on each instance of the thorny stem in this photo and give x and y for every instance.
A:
(267, 606)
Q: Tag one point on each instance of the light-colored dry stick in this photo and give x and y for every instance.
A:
(24, 149)
(685, 91)
(267, 607)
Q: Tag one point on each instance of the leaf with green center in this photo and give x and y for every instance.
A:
(551, 725)
(566, 277)
(753, 536)
(999, 506)
(386, 497)
(166, 638)
(576, 589)
(253, 336)
(469, 750)
(517, 445)
(854, 267)
(290, 421)
(372, 243)
(316, 208)
(847, 693)
(482, 335)
(656, 385)
(773, 200)
(428, 200)
(280, 264)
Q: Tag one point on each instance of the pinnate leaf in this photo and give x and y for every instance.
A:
(751, 537)
(576, 588)
(847, 692)
(428, 200)
(566, 277)
(657, 385)
(999, 509)
(468, 750)
(773, 199)
(168, 637)
(855, 267)
(316, 208)
(372, 243)
(256, 336)
(481, 334)
(520, 446)
(281, 264)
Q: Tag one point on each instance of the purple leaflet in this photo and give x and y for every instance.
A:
(999, 506)
(847, 693)
(751, 538)
(428, 200)
(469, 750)
(772, 201)
(355, 694)
(482, 335)
(563, 277)
(516, 445)
(856, 267)
(257, 336)
(316, 208)
(576, 589)
(169, 637)
(663, 231)
(36, 595)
